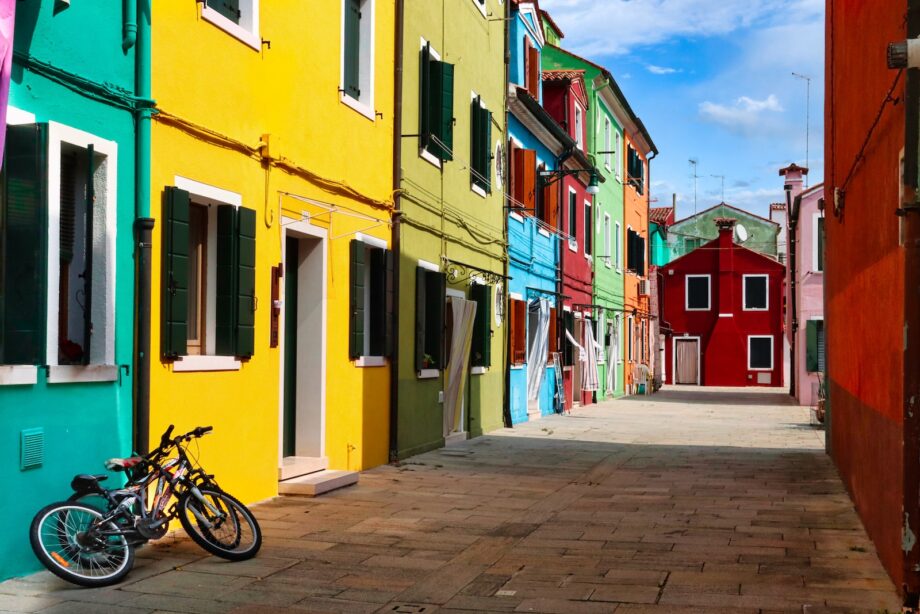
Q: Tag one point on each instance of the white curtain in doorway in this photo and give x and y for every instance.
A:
(538, 351)
(573, 341)
(464, 314)
(612, 357)
(601, 329)
(589, 372)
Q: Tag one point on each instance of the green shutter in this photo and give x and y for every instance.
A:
(225, 295)
(820, 243)
(174, 336)
(228, 8)
(811, 346)
(475, 145)
(378, 299)
(441, 108)
(420, 317)
(352, 47)
(356, 300)
(390, 303)
(481, 355)
(23, 252)
(436, 304)
(424, 106)
(486, 127)
(245, 283)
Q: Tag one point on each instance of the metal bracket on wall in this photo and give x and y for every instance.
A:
(460, 271)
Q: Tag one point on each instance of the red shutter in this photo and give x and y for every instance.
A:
(551, 204)
(529, 175)
(553, 342)
(518, 332)
(533, 66)
(527, 48)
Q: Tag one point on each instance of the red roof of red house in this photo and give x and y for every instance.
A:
(660, 215)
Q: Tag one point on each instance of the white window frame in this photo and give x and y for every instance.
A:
(428, 373)
(607, 143)
(619, 247)
(687, 292)
(619, 155)
(206, 194)
(423, 151)
(772, 352)
(481, 5)
(367, 359)
(630, 338)
(814, 244)
(588, 213)
(607, 239)
(473, 187)
(579, 127)
(365, 104)
(573, 241)
(248, 33)
(766, 282)
(102, 344)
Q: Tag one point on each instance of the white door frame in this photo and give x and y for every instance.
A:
(699, 365)
(298, 228)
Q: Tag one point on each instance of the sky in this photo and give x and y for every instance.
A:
(712, 81)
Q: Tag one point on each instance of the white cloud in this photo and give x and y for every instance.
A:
(746, 115)
(661, 70)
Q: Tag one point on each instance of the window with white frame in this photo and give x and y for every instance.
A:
(618, 247)
(760, 353)
(358, 55)
(629, 339)
(607, 239)
(589, 232)
(239, 18)
(756, 292)
(579, 122)
(697, 293)
(619, 157)
(371, 264)
(608, 156)
(619, 328)
(573, 220)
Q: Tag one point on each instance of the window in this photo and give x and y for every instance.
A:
(568, 351)
(635, 252)
(756, 292)
(573, 220)
(635, 170)
(814, 346)
(619, 157)
(600, 326)
(607, 241)
(697, 293)
(523, 189)
(619, 329)
(371, 302)
(481, 352)
(608, 156)
(692, 244)
(589, 232)
(532, 71)
(436, 118)
(618, 247)
(208, 286)
(480, 146)
(430, 305)
(579, 128)
(553, 345)
(358, 56)
(239, 18)
(518, 332)
(630, 338)
(819, 243)
(760, 353)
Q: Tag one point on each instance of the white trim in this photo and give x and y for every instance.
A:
(772, 351)
(516, 216)
(543, 232)
(479, 370)
(371, 361)
(481, 5)
(189, 364)
(608, 239)
(535, 31)
(18, 375)
(372, 241)
(726, 315)
(814, 242)
(209, 192)
(429, 265)
(250, 37)
(744, 279)
(423, 152)
(608, 141)
(619, 154)
(708, 293)
(699, 365)
(588, 215)
(428, 374)
(71, 374)
(515, 296)
(516, 367)
(17, 117)
(567, 308)
(59, 134)
(477, 190)
(364, 106)
(618, 246)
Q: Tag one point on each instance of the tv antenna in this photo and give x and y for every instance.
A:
(807, 81)
(693, 163)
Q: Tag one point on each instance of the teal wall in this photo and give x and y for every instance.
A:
(84, 424)
(689, 233)
(660, 253)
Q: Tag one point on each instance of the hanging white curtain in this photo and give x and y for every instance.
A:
(537, 353)
(463, 316)
(601, 328)
(589, 370)
(573, 341)
(612, 355)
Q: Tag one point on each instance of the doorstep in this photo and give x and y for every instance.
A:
(296, 466)
(317, 483)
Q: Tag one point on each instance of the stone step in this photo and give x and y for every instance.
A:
(318, 483)
(296, 466)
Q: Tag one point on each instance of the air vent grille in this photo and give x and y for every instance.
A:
(32, 448)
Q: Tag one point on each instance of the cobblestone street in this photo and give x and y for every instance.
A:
(688, 501)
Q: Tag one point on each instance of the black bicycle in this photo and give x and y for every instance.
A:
(90, 538)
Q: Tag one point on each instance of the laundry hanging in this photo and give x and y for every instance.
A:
(589, 371)
(463, 315)
(537, 352)
(581, 350)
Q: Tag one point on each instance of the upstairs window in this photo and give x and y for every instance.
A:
(239, 18)
(532, 72)
(371, 301)
(589, 231)
(573, 220)
(819, 243)
(430, 307)
(635, 252)
(635, 170)
(607, 239)
(619, 157)
(357, 55)
(548, 209)
(697, 295)
(480, 146)
(756, 292)
(618, 247)
(436, 111)
(760, 353)
(579, 128)
(608, 155)
(523, 193)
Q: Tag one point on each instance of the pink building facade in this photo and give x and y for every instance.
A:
(805, 329)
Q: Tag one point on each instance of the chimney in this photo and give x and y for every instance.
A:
(726, 259)
(795, 176)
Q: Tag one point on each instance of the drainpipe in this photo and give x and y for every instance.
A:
(792, 242)
(506, 338)
(143, 226)
(129, 32)
(397, 184)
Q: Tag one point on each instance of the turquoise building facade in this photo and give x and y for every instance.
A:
(67, 212)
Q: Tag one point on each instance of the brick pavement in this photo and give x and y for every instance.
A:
(685, 502)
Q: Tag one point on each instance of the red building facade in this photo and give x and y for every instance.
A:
(723, 307)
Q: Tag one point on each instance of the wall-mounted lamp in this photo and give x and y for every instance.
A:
(904, 54)
(594, 181)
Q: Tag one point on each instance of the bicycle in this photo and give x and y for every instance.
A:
(93, 545)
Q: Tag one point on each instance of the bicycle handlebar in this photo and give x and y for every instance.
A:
(166, 442)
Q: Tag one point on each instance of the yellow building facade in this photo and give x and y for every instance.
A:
(272, 181)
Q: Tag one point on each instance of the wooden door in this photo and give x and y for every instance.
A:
(687, 361)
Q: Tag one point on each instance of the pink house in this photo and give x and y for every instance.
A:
(804, 285)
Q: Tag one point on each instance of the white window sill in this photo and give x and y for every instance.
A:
(429, 157)
(588, 257)
(206, 363)
(18, 375)
(760, 370)
(706, 309)
(607, 264)
(477, 190)
(517, 216)
(67, 374)
(573, 246)
(234, 30)
(428, 374)
(479, 370)
(357, 105)
(756, 309)
(726, 315)
(371, 361)
(517, 367)
(543, 232)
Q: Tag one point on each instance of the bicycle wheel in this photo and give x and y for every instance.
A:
(220, 524)
(67, 538)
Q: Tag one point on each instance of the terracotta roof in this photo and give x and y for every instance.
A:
(777, 206)
(659, 215)
(792, 167)
(563, 75)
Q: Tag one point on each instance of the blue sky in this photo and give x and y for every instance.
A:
(712, 80)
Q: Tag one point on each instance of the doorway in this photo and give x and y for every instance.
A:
(303, 373)
(578, 369)
(457, 364)
(687, 361)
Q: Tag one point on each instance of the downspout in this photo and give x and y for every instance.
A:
(129, 32)
(506, 337)
(793, 258)
(397, 184)
(143, 225)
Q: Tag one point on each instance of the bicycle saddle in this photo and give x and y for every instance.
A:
(121, 464)
(87, 483)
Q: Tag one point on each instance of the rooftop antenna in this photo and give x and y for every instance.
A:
(722, 177)
(807, 81)
(693, 163)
